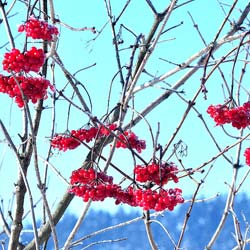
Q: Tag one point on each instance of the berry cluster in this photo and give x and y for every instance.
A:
(159, 201)
(38, 29)
(88, 176)
(64, 142)
(219, 113)
(239, 117)
(97, 186)
(106, 130)
(129, 140)
(31, 60)
(85, 134)
(32, 88)
(160, 174)
(247, 156)
(75, 137)
(90, 184)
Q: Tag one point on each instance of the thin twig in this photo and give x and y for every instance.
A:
(229, 202)
(147, 223)
(7, 26)
(77, 226)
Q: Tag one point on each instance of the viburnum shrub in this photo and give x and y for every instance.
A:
(38, 29)
(147, 189)
(239, 117)
(136, 126)
(31, 60)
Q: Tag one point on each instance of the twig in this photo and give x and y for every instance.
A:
(4, 223)
(7, 26)
(122, 224)
(77, 226)
(147, 223)
(165, 230)
(9, 140)
(229, 202)
(45, 231)
(55, 170)
(122, 11)
(227, 148)
(183, 230)
(152, 7)
(103, 241)
(145, 55)
(186, 64)
(115, 42)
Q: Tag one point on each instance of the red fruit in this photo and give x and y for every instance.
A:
(219, 113)
(31, 60)
(239, 117)
(74, 139)
(32, 88)
(247, 156)
(159, 174)
(129, 140)
(38, 29)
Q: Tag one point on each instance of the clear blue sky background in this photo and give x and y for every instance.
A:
(77, 53)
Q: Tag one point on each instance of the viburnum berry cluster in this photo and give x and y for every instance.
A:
(88, 176)
(239, 117)
(33, 88)
(128, 138)
(247, 156)
(72, 140)
(31, 60)
(158, 200)
(97, 186)
(38, 29)
(157, 173)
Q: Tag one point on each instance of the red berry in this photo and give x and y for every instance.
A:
(247, 156)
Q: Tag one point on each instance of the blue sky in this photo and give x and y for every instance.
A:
(77, 52)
